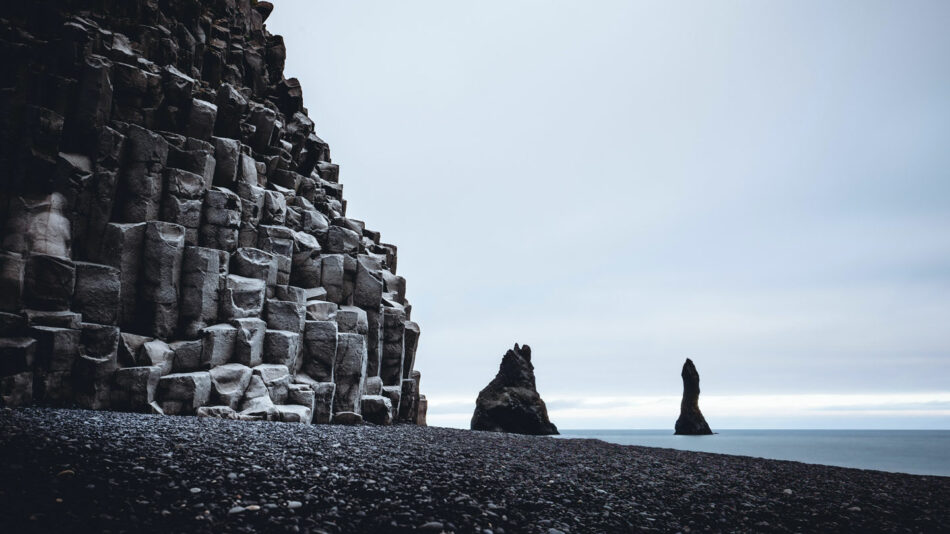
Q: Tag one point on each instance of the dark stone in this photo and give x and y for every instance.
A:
(691, 421)
(510, 402)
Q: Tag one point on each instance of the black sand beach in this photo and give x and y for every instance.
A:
(82, 471)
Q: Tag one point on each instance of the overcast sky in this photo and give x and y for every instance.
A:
(763, 187)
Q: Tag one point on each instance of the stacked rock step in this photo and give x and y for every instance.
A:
(175, 237)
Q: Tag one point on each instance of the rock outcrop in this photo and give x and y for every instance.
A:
(691, 421)
(174, 232)
(510, 402)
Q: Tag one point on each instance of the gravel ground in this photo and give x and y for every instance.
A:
(80, 471)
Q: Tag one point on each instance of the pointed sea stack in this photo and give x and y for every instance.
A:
(510, 402)
(691, 421)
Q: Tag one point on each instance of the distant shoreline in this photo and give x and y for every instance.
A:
(918, 452)
(189, 474)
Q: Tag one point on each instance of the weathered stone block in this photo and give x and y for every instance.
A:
(301, 394)
(257, 401)
(231, 107)
(141, 177)
(227, 155)
(421, 409)
(249, 345)
(17, 355)
(217, 344)
(376, 409)
(229, 382)
(122, 248)
(410, 343)
(374, 337)
(284, 315)
(320, 344)
(187, 356)
(255, 263)
(56, 348)
(58, 319)
(12, 268)
(408, 401)
(161, 275)
(277, 380)
(368, 292)
(48, 282)
(200, 279)
(38, 225)
(321, 310)
(275, 208)
(16, 390)
(347, 418)
(282, 347)
(294, 413)
(135, 388)
(129, 347)
(98, 293)
(201, 117)
(349, 370)
(352, 320)
(252, 203)
(373, 386)
(394, 328)
(342, 241)
(242, 297)
(394, 394)
(184, 393)
(158, 354)
(331, 277)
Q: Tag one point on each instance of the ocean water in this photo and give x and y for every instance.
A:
(920, 452)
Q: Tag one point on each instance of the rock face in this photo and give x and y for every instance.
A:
(174, 233)
(691, 421)
(510, 402)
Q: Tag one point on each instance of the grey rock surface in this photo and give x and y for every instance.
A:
(510, 402)
(691, 421)
(172, 222)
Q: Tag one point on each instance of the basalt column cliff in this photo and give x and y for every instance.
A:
(174, 234)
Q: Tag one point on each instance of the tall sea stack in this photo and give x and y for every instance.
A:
(175, 237)
(510, 402)
(691, 421)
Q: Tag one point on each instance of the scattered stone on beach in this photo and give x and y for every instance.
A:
(691, 421)
(135, 472)
(510, 402)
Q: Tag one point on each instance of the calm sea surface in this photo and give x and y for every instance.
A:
(921, 452)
